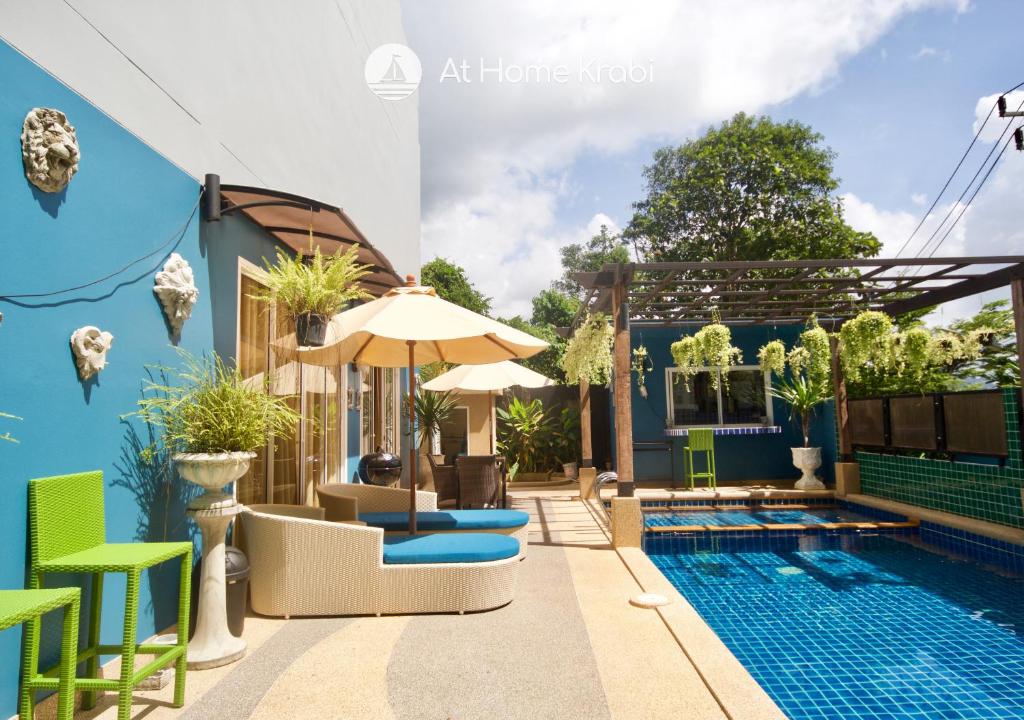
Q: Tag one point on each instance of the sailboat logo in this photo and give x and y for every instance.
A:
(393, 72)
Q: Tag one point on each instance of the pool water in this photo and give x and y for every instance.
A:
(856, 626)
(721, 518)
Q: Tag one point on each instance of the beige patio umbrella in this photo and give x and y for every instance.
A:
(407, 327)
(491, 378)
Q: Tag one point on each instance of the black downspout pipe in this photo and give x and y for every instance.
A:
(211, 198)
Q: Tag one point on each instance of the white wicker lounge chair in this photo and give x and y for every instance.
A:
(378, 499)
(308, 566)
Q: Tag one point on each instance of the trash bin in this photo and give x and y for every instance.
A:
(236, 574)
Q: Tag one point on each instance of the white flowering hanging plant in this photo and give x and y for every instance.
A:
(588, 355)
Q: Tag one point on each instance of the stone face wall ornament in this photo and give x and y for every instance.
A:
(90, 346)
(49, 149)
(176, 288)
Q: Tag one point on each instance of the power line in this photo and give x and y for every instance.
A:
(959, 164)
(973, 195)
(178, 234)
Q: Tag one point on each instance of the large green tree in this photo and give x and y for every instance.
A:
(605, 247)
(997, 364)
(547, 362)
(451, 283)
(750, 189)
(551, 307)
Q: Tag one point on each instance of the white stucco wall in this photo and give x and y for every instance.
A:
(263, 92)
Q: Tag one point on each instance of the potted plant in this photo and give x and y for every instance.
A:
(312, 289)
(432, 410)
(588, 354)
(803, 396)
(566, 442)
(213, 420)
(525, 433)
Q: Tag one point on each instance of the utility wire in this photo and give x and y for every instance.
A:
(973, 195)
(959, 164)
(176, 237)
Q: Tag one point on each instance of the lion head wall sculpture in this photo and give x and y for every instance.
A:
(90, 346)
(49, 149)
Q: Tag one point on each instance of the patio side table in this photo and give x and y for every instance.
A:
(20, 606)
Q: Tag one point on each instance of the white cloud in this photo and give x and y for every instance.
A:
(918, 198)
(495, 154)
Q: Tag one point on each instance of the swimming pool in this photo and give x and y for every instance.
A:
(859, 626)
(764, 517)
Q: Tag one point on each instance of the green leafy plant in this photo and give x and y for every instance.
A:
(863, 340)
(525, 431)
(772, 357)
(819, 355)
(710, 346)
(588, 355)
(432, 410)
(319, 285)
(212, 408)
(803, 396)
(565, 436)
(641, 365)
(7, 436)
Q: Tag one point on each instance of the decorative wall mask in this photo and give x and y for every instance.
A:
(90, 345)
(176, 288)
(49, 149)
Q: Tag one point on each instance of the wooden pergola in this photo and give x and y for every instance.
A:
(773, 292)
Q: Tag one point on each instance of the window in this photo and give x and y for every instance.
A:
(379, 409)
(744, 402)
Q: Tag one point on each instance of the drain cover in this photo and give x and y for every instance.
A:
(648, 600)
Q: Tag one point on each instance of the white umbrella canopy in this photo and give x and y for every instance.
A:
(378, 333)
(491, 377)
(407, 327)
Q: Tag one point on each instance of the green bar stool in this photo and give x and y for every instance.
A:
(28, 606)
(67, 530)
(700, 440)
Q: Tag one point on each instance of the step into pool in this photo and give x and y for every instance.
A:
(858, 626)
(772, 518)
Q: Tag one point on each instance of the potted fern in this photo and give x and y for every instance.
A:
(213, 420)
(312, 289)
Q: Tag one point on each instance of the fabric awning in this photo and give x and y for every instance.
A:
(289, 217)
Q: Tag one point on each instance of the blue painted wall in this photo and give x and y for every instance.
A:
(754, 457)
(126, 201)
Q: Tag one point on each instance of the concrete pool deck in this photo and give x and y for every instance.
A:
(569, 646)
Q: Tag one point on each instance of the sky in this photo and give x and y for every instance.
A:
(537, 118)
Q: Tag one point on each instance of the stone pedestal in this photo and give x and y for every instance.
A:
(848, 479)
(588, 476)
(627, 522)
(213, 644)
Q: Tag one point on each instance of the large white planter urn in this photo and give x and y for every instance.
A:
(807, 460)
(213, 644)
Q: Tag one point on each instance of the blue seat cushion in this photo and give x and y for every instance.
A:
(448, 548)
(435, 521)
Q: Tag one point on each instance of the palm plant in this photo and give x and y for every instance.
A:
(525, 434)
(803, 397)
(432, 410)
(212, 408)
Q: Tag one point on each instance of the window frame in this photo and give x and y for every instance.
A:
(670, 415)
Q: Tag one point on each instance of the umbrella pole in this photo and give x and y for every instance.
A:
(412, 436)
(490, 420)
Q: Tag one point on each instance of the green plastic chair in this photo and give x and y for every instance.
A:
(23, 606)
(68, 535)
(700, 440)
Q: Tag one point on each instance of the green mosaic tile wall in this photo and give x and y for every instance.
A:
(986, 492)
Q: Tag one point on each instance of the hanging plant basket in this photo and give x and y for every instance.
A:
(311, 329)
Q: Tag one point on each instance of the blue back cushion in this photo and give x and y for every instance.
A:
(448, 520)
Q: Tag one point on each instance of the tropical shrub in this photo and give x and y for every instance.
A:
(320, 286)
(565, 437)
(525, 433)
(212, 408)
(432, 410)
(588, 355)
(803, 395)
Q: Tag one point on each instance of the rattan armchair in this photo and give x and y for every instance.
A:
(446, 483)
(479, 481)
